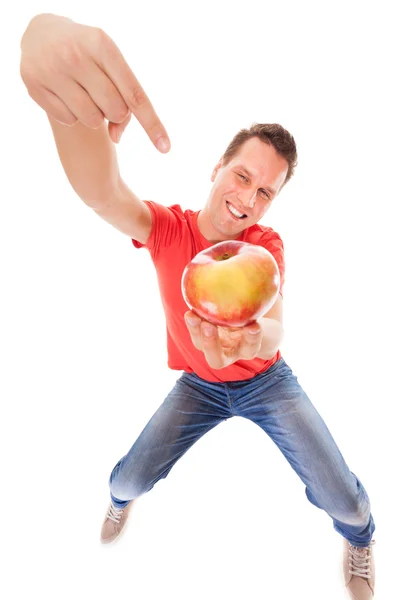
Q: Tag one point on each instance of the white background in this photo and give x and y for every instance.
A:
(83, 356)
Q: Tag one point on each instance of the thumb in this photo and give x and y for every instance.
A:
(116, 130)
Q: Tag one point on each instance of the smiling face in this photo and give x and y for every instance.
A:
(243, 190)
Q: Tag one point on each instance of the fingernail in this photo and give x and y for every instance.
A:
(253, 331)
(163, 144)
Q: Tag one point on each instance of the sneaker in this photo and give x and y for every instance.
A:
(114, 522)
(359, 571)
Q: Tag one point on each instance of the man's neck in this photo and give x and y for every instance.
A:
(208, 231)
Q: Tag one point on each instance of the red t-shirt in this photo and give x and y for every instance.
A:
(174, 240)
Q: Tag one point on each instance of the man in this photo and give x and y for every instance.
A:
(79, 77)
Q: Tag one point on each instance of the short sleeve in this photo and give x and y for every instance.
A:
(166, 228)
(274, 244)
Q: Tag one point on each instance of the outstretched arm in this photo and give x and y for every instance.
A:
(79, 77)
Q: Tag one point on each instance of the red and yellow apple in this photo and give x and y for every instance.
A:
(231, 284)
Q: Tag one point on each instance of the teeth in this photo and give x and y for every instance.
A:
(233, 210)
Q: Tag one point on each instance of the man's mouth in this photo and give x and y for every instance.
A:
(235, 212)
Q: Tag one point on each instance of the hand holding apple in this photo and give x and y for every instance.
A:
(228, 287)
(231, 284)
(223, 346)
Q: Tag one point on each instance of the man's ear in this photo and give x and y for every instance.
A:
(216, 169)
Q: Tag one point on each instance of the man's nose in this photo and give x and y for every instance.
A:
(248, 198)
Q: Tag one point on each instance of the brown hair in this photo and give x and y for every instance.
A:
(270, 133)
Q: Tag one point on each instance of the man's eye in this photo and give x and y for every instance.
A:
(263, 191)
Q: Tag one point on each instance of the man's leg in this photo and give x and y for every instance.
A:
(190, 410)
(279, 405)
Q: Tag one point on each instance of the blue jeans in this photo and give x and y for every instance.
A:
(275, 401)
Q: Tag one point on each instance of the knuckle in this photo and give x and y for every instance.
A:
(94, 120)
(119, 113)
(138, 97)
(91, 39)
(105, 44)
(113, 105)
(95, 35)
(101, 39)
(70, 53)
(96, 38)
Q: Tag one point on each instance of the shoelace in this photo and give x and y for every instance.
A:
(114, 513)
(359, 560)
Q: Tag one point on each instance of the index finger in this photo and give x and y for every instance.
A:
(117, 69)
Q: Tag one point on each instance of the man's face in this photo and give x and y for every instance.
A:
(244, 189)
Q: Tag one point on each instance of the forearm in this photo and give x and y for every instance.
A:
(272, 336)
(89, 159)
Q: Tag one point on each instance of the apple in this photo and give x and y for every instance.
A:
(231, 284)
